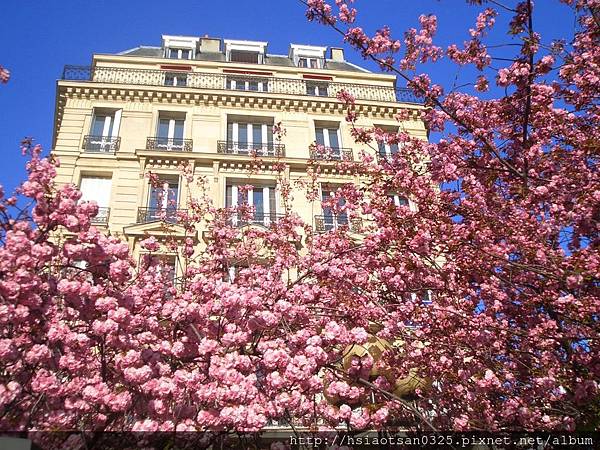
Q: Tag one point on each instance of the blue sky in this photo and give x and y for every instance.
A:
(39, 37)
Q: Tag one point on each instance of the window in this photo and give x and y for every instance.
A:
(311, 63)
(243, 137)
(399, 200)
(179, 53)
(328, 136)
(104, 132)
(166, 265)
(247, 52)
(388, 150)
(97, 189)
(162, 201)
(244, 56)
(170, 133)
(248, 84)
(262, 197)
(424, 296)
(331, 220)
(316, 89)
(176, 79)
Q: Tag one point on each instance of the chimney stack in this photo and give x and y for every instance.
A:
(210, 45)
(337, 54)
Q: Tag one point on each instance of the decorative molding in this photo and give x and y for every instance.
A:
(235, 99)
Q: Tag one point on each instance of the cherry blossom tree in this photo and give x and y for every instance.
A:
(471, 306)
(505, 229)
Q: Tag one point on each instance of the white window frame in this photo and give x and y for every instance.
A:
(250, 199)
(179, 79)
(235, 133)
(320, 88)
(179, 51)
(330, 189)
(106, 139)
(326, 140)
(233, 81)
(309, 59)
(245, 46)
(165, 198)
(101, 193)
(170, 133)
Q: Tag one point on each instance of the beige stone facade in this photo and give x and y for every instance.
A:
(211, 103)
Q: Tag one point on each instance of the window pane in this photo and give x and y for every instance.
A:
(173, 53)
(394, 149)
(228, 197)
(169, 80)
(257, 134)
(313, 63)
(156, 197)
(320, 136)
(163, 128)
(98, 125)
(272, 201)
(242, 134)
(258, 201)
(229, 132)
(311, 89)
(178, 134)
(244, 57)
(185, 54)
(333, 139)
(253, 85)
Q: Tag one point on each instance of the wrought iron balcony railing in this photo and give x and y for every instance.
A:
(250, 148)
(217, 81)
(331, 153)
(168, 214)
(101, 218)
(101, 144)
(329, 222)
(167, 144)
(238, 219)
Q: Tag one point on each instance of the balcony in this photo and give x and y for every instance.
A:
(238, 219)
(101, 144)
(169, 214)
(101, 218)
(250, 148)
(217, 81)
(330, 222)
(320, 152)
(167, 144)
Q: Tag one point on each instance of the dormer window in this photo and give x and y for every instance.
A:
(312, 63)
(244, 57)
(308, 56)
(179, 53)
(180, 47)
(245, 52)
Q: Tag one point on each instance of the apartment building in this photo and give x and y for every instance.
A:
(211, 103)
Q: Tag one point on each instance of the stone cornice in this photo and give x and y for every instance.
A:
(227, 98)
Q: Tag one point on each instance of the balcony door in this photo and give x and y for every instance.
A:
(330, 139)
(387, 150)
(330, 219)
(262, 198)
(163, 200)
(170, 133)
(243, 137)
(97, 189)
(104, 131)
